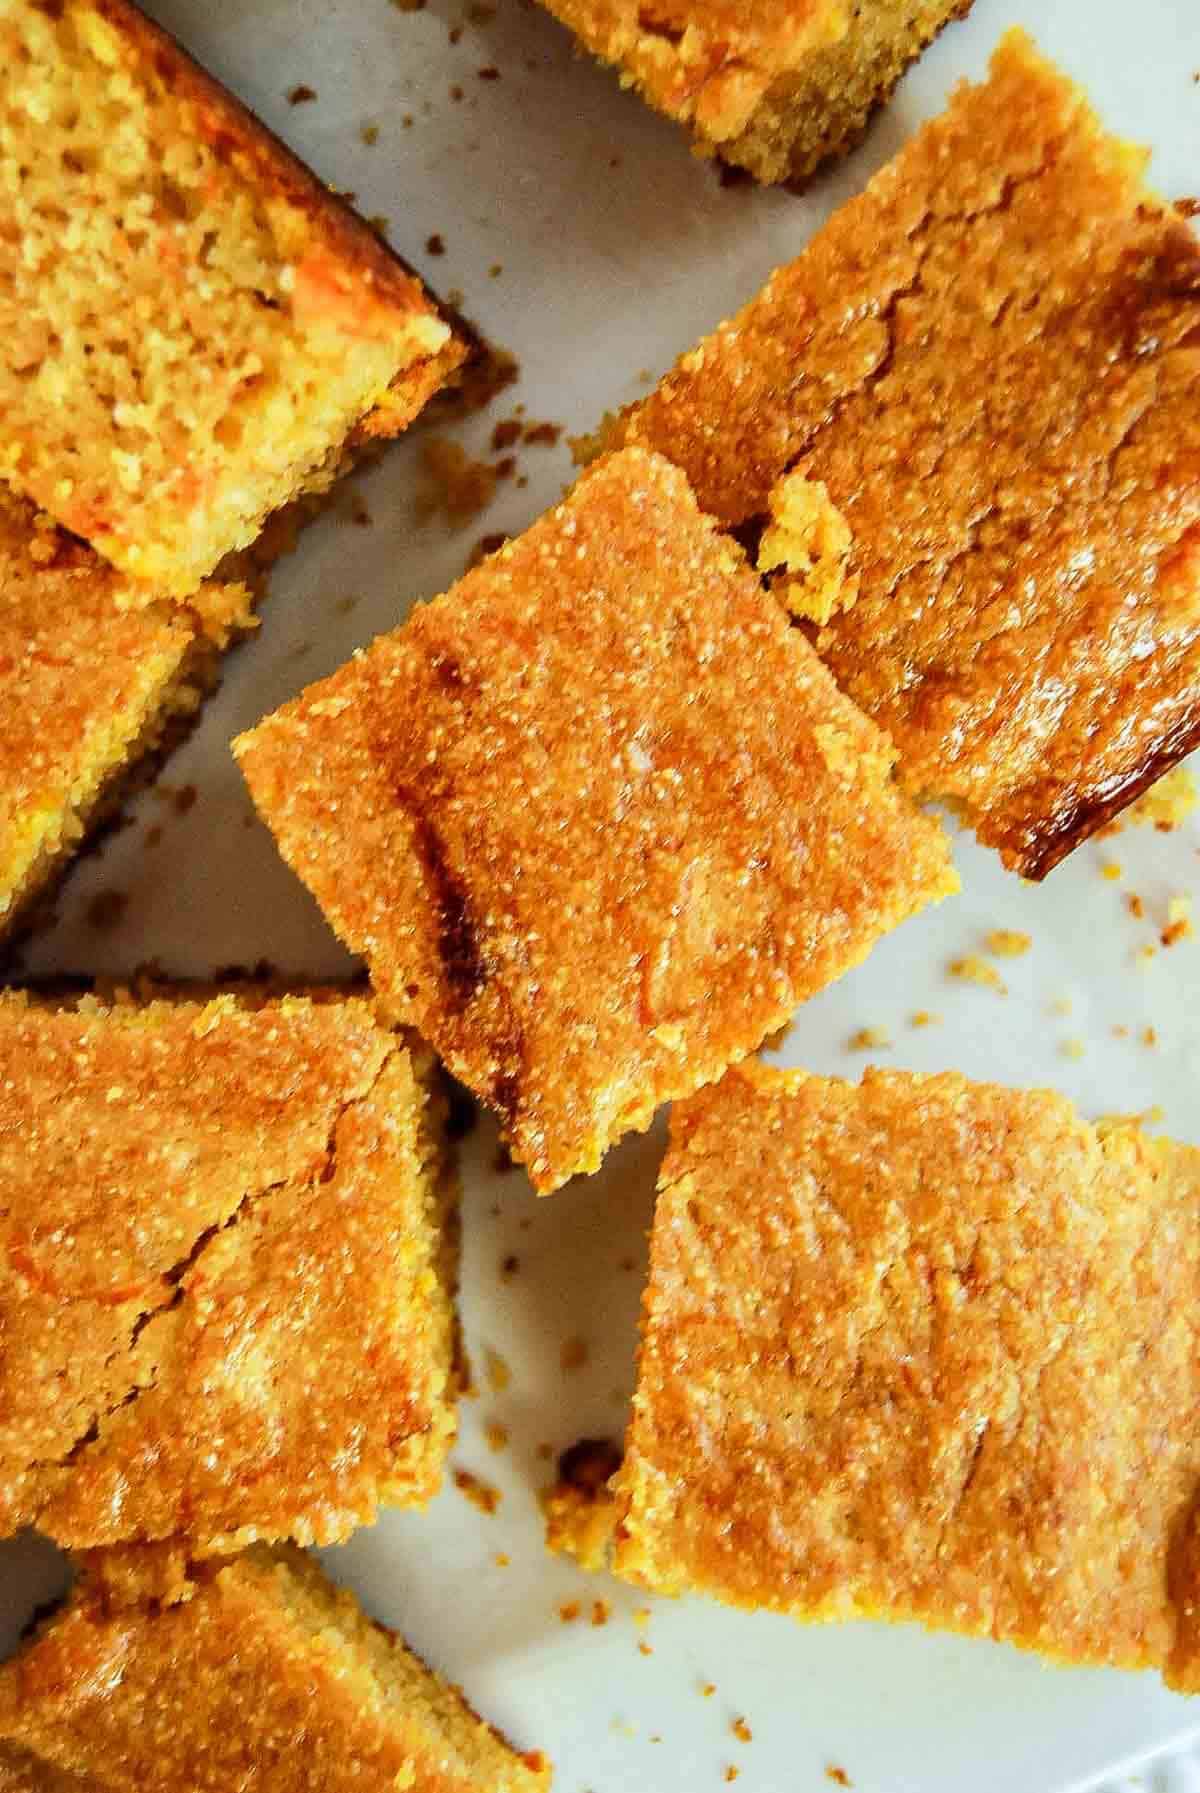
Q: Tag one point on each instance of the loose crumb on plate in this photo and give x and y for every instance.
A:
(869, 1039)
(971, 969)
(925, 1018)
(742, 1731)
(481, 1494)
(497, 1371)
(1008, 943)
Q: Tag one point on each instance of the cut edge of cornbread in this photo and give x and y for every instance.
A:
(373, 343)
(296, 1611)
(779, 111)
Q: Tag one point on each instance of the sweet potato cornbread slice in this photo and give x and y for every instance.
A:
(226, 1271)
(597, 818)
(88, 686)
(775, 86)
(991, 362)
(923, 1349)
(259, 1675)
(192, 327)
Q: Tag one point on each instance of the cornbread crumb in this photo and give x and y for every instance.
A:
(496, 1435)
(1061, 1005)
(732, 1773)
(601, 1612)
(742, 1731)
(1008, 943)
(481, 1494)
(645, 1649)
(256, 1673)
(502, 1559)
(1136, 906)
(496, 1369)
(971, 969)
(1167, 804)
(1145, 955)
(1179, 921)
(806, 546)
(869, 1039)
(838, 1775)
(457, 487)
(415, 790)
(1113, 870)
(569, 1611)
(925, 1018)
(707, 1689)
(1073, 1048)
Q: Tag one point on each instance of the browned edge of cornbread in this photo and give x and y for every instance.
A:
(264, 159)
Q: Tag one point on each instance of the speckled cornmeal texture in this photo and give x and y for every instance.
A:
(598, 818)
(991, 360)
(260, 1675)
(191, 326)
(923, 1349)
(88, 684)
(226, 1271)
(775, 86)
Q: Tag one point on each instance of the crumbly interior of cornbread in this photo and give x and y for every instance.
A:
(923, 1349)
(264, 1676)
(190, 326)
(805, 550)
(226, 1271)
(991, 360)
(88, 685)
(774, 88)
(23, 1772)
(598, 818)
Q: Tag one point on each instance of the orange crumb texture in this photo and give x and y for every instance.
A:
(608, 721)
(254, 1673)
(271, 325)
(971, 969)
(225, 1287)
(481, 1494)
(1013, 249)
(772, 86)
(742, 1731)
(1008, 943)
(1000, 1329)
(838, 1776)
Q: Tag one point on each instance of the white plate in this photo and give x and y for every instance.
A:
(618, 249)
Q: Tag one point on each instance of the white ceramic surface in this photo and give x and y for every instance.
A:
(616, 250)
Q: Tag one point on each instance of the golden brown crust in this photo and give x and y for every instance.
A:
(923, 1349)
(776, 89)
(597, 819)
(991, 359)
(223, 1300)
(265, 1678)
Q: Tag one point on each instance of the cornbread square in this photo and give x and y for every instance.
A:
(227, 1265)
(193, 328)
(991, 361)
(597, 818)
(923, 1349)
(89, 685)
(777, 88)
(259, 1674)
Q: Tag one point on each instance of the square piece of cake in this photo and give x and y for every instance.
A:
(192, 327)
(227, 1265)
(256, 1674)
(990, 361)
(598, 818)
(922, 1349)
(773, 86)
